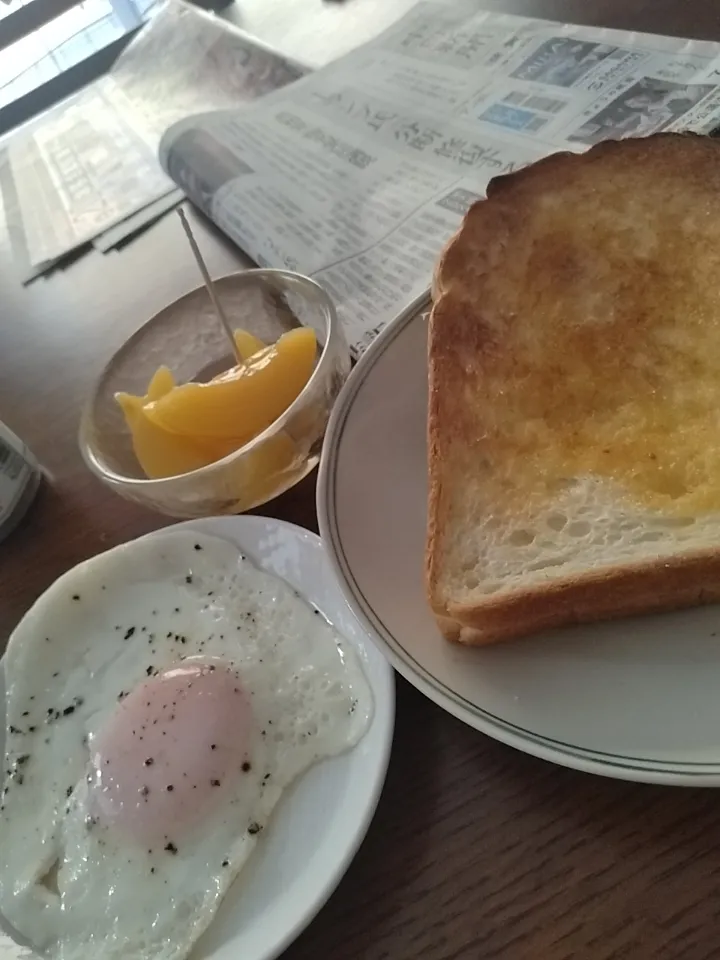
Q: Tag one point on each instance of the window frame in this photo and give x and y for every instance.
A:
(32, 16)
(24, 21)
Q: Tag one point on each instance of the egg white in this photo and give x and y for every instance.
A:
(77, 888)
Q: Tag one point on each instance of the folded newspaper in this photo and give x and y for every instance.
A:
(88, 169)
(358, 173)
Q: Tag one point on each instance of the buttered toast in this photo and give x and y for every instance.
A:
(574, 411)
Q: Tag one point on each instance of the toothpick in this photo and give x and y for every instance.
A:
(210, 287)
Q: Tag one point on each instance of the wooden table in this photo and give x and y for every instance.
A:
(477, 852)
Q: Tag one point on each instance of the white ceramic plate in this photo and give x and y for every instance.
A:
(635, 699)
(319, 825)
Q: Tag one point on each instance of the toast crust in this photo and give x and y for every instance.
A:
(653, 587)
(630, 588)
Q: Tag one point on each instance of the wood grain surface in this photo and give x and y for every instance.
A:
(477, 852)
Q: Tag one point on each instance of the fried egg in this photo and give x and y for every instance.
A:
(159, 699)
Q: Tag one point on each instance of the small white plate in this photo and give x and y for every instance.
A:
(635, 699)
(319, 825)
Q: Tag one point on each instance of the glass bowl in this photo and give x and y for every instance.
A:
(187, 337)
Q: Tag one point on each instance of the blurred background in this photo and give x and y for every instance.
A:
(41, 39)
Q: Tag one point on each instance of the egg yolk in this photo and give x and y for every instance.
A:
(245, 400)
(170, 750)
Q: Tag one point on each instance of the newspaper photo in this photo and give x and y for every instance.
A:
(359, 173)
(91, 163)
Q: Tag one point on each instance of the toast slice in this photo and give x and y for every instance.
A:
(574, 412)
